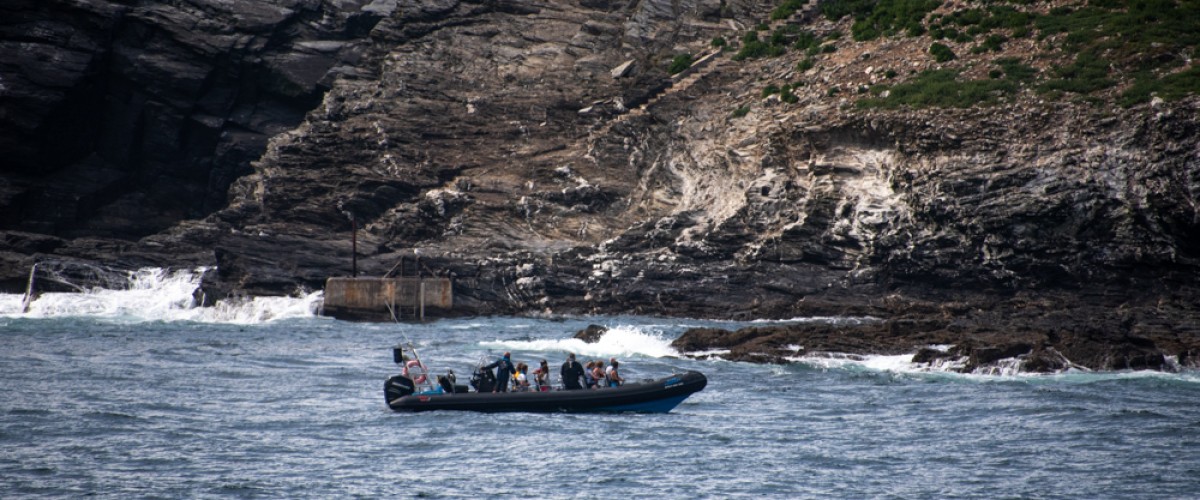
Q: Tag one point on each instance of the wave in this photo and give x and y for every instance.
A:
(833, 320)
(155, 294)
(1004, 370)
(620, 341)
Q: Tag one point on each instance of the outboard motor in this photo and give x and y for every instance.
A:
(397, 387)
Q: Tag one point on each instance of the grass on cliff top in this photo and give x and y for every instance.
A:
(1146, 46)
(780, 41)
(943, 89)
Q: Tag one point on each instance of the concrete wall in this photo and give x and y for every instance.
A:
(368, 299)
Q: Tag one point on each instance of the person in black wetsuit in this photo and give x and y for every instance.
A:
(504, 367)
(571, 372)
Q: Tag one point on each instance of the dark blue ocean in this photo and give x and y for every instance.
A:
(118, 397)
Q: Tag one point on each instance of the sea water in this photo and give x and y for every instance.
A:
(137, 393)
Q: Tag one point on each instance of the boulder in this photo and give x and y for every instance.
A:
(591, 334)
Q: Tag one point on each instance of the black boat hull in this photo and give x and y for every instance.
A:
(654, 396)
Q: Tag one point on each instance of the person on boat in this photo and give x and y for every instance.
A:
(614, 378)
(413, 367)
(571, 372)
(504, 368)
(520, 381)
(541, 376)
(589, 380)
(598, 373)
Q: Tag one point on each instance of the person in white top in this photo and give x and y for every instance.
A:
(520, 382)
(610, 373)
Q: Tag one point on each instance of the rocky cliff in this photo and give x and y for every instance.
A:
(543, 154)
(121, 119)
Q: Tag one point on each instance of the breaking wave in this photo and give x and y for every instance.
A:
(155, 294)
(1005, 369)
(621, 341)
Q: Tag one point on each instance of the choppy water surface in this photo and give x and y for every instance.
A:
(120, 405)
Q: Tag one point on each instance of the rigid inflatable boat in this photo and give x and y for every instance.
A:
(412, 391)
(651, 396)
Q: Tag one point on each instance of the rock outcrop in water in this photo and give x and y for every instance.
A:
(1006, 337)
(502, 143)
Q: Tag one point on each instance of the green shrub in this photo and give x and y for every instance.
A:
(941, 53)
(1007, 17)
(771, 89)
(784, 33)
(1172, 87)
(889, 74)
(837, 9)
(718, 42)
(1087, 74)
(940, 88)
(740, 112)
(680, 63)
(994, 43)
(890, 17)
(757, 49)
(966, 17)
(1015, 71)
(786, 9)
(804, 40)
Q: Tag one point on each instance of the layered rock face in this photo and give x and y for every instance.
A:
(500, 143)
(121, 119)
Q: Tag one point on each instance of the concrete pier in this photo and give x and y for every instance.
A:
(388, 299)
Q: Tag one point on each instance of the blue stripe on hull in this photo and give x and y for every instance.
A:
(657, 406)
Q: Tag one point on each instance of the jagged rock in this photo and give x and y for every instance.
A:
(622, 70)
(985, 338)
(125, 118)
(591, 334)
(926, 355)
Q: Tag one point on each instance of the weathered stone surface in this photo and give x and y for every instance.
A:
(987, 339)
(121, 119)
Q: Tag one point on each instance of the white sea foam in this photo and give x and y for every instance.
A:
(1005, 369)
(619, 341)
(833, 320)
(158, 295)
(903, 364)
